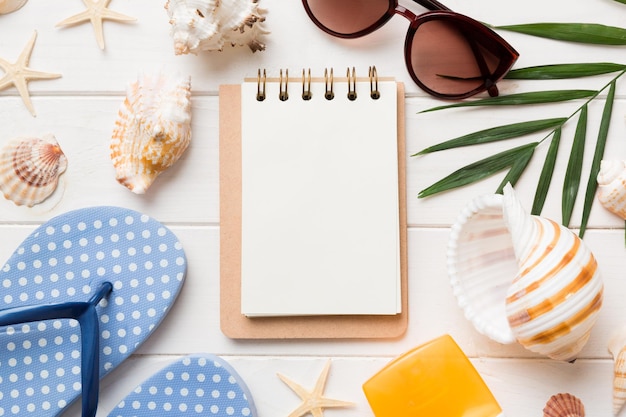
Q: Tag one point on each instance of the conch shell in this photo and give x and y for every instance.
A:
(523, 278)
(617, 348)
(9, 6)
(30, 169)
(612, 186)
(152, 131)
(564, 405)
(208, 25)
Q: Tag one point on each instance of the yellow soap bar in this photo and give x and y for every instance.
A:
(434, 379)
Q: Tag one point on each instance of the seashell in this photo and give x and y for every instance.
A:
(152, 131)
(209, 25)
(617, 348)
(30, 169)
(523, 278)
(564, 405)
(9, 6)
(612, 186)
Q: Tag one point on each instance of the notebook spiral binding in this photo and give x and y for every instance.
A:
(329, 83)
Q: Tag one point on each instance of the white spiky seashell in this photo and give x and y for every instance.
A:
(9, 6)
(523, 278)
(617, 348)
(612, 186)
(152, 131)
(564, 405)
(30, 169)
(209, 25)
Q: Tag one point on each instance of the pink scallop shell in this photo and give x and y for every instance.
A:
(564, 405)
(30, 169)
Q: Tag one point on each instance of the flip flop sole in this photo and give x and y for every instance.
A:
(196, 385)
(66, 259)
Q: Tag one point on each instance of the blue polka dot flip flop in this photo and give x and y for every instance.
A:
(77, 298)
(196, 385)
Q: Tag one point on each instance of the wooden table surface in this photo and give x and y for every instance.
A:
(80, 109)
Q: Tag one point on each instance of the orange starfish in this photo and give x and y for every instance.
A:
(96, 12)
(312, 401)
(18, 74)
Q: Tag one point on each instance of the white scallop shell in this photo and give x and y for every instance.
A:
(612, 186)
(30, 169)
(9, 6)
(617, 348)
(209, 25)
(152, 131)
(523, 278)
(564, 405)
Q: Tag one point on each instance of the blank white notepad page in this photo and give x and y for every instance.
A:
(320, 211)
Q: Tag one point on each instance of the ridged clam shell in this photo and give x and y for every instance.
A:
(524, 278)
(617, 348)
(152, 131)
(564, 405)
(612, 186)
(30, 169)
(209, 25)
(9, 6)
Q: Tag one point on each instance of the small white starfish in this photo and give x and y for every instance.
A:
(96, 12)
(312, 401)
(18, 74)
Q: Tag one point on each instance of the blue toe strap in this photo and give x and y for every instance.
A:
(86, 315)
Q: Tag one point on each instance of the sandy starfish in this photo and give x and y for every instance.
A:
(18, 74)
(312, 401)
(96, 12)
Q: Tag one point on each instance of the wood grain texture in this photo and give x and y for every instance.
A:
(80, 109)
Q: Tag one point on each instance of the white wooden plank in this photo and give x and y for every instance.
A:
(193, 323)
(294, 42)
(521, 387)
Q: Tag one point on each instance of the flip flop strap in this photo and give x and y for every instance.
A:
(87, 317)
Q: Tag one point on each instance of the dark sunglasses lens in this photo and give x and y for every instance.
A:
(452, 59)
(347, 16)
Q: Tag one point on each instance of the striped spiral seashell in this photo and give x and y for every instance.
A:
(617, 348)
(556, 296)
(523, 278)
(612, 186)
(30, 169)
(152, 131)
(564, 405)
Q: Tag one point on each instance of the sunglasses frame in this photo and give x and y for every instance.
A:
(437, 11)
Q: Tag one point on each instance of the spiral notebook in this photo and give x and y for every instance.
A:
(312, 206)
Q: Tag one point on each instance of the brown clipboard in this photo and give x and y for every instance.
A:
(236, 325)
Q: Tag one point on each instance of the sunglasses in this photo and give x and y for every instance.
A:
(447, 54)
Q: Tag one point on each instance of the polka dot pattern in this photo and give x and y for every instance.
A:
(197, 385)
(66, 259)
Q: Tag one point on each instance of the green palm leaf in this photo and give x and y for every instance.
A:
(534, 97)
(592, 183)
(480, 169)
(574, 168)
(545, 178)
(517, 169)
(573, 32)
(496, 134)
(563, 71)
